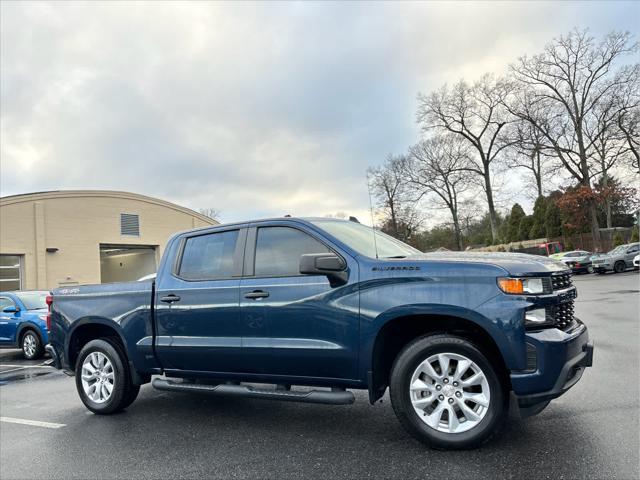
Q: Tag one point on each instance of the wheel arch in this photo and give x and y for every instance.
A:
(400, 329)
(87, 329)
(22, 330)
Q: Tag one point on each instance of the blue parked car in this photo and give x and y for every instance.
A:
(23, 322)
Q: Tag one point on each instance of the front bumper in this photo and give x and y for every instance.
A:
(560, 360)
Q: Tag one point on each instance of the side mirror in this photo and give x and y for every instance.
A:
(11, 309)
(328, 264)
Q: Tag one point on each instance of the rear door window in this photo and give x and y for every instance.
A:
(210, 256)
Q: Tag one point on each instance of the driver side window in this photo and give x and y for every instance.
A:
(278, 251)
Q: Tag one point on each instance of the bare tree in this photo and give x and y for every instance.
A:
(528, 152)
(629, 124)
(437, 168)
(212, 213)
(476, 114)
(560, 93)
(389, 188)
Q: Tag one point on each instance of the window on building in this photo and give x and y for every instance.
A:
(278, 251)
(129, 224)
(209, 256)
(10, 273)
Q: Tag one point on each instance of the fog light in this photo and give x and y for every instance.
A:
(535, 317)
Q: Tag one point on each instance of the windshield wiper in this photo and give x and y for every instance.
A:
(396, 256)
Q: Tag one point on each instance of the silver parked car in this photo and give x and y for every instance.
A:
(618, 259)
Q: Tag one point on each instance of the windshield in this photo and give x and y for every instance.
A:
(33, 300)
(617, 250)
(360, 238)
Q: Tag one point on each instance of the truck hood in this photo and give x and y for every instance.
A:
(513, 263)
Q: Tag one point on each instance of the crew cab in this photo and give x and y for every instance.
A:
(319, 307)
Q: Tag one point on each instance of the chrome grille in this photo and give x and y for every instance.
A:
(561, 315)
(561, 281)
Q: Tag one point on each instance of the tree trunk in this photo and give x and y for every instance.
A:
(595, 228)
(538, 175)
(492, 209)
(394, 220)
(607, 200)
(456, 229)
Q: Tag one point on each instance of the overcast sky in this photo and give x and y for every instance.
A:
(252, 109)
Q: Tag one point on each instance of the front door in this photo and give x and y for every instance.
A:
(630, 255)
(8, 322)
(296, 325)
(197, 305)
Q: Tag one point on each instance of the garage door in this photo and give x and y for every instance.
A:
(125, 263)
(10, 272)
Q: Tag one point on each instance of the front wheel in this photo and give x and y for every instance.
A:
(102, 377)
(446, 392)
(619, 267)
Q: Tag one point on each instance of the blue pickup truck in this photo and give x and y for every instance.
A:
(327, 306)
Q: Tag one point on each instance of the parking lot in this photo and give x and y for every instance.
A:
(592, 431)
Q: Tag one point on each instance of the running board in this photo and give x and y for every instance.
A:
(333, 397)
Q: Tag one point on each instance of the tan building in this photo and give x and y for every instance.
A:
(50, 239)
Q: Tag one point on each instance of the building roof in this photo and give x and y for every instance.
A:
(53, 194)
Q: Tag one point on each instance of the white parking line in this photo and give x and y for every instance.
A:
(33, 423)
(12, 370)
(25, 366)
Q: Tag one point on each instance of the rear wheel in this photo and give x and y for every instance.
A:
(619, 267)
(31, 345)
(446, 393)
(102, 377)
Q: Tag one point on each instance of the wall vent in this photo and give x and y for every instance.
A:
(129, 224)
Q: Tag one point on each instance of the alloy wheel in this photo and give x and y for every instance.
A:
(450, 393)
(98, 377)
(29, 345)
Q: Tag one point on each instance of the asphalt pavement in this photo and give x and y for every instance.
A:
(591, 432)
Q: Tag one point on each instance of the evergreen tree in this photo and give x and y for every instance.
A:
(526, 225)
(517, 214)
(552, 220)
(538, 229)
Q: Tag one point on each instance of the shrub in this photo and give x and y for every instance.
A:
(617, 239)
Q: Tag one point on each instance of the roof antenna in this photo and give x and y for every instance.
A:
(373, 224)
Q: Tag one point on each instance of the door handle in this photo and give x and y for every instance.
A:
(170, 299)
(256, 294)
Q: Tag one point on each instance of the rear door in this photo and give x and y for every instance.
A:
(296, 325)
(197, 304)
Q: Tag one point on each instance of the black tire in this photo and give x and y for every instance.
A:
(403, 368)
(123, 392)
(31, 345)
(132, 394)
(619, 267)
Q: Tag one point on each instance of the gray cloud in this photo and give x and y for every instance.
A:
(252, 109)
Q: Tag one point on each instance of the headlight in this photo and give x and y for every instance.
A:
(518, 286)
(533, 318)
